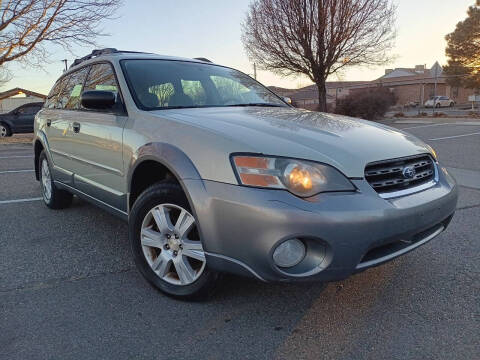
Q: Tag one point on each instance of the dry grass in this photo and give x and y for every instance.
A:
(17, 139)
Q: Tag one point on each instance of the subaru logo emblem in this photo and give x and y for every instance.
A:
(408, 172)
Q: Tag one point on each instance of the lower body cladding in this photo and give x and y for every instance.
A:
(339, 233)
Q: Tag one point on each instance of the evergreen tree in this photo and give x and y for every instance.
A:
(463, 51)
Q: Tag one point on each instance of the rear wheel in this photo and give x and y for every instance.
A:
(452, 104)
(53, 197)
(166, 245)
(5, 130)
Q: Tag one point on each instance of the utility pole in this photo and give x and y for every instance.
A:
(65, 61)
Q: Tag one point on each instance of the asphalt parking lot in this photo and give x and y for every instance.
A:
(69, 289)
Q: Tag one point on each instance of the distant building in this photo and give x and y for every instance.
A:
(13, 98)
(410, 85)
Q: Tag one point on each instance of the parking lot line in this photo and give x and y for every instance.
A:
(16, 171)
(15, 156)
(472, 123)
(455, 136)
(3, 202)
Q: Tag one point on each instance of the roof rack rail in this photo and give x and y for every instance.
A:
(203, 59)
(105, 51)
(94, 53)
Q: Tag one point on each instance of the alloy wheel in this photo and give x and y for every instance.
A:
(3, 131)
(171, 244)
(46, 181)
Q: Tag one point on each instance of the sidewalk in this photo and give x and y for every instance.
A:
(423, 120)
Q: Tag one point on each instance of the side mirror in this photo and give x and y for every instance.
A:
(98, 99)
(287, 100)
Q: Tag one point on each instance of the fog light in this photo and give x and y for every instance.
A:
(289, 253)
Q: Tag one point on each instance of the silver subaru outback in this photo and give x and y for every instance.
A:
(215, 173)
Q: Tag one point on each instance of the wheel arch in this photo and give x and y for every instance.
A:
(8, 124)
(167, 163)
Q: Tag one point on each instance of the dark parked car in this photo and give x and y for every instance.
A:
(19, 120)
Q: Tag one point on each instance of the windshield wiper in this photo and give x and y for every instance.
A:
(258, 104)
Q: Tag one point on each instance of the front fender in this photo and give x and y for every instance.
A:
(8, 123)
(174, 159)
(168, 155)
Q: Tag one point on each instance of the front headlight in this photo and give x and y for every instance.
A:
(300, 177)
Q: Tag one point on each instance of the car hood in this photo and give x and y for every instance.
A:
(343, 142)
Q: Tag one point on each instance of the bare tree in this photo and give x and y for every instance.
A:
(26, 26)
(318, 37)
(5, 76)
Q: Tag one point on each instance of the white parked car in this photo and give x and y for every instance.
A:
(439, 101)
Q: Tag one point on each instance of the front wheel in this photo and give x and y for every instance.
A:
(166, 244)
(438, 105)
(5, 130)
(53, 197)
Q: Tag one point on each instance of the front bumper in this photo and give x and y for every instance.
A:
(346, 232)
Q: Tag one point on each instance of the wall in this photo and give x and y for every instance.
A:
(460, 95)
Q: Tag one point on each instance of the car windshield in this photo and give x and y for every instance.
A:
(170, 84)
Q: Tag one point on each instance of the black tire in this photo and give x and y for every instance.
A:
(157, 194)
(438, 105)
(59, 199)
(452, 104)
(5, 130)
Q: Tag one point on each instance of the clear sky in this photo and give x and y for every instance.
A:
(212, 29)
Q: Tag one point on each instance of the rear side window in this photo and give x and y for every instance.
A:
(52, 97)
(28, 110)
(64, 94)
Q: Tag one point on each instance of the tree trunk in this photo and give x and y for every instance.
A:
(322, 96)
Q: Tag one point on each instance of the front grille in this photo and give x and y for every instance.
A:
(390, 175)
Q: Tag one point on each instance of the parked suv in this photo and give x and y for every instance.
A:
(215, 173)
(19, 120)
(439, 101)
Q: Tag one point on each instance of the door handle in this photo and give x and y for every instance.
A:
(49, 122)
(76, 127)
